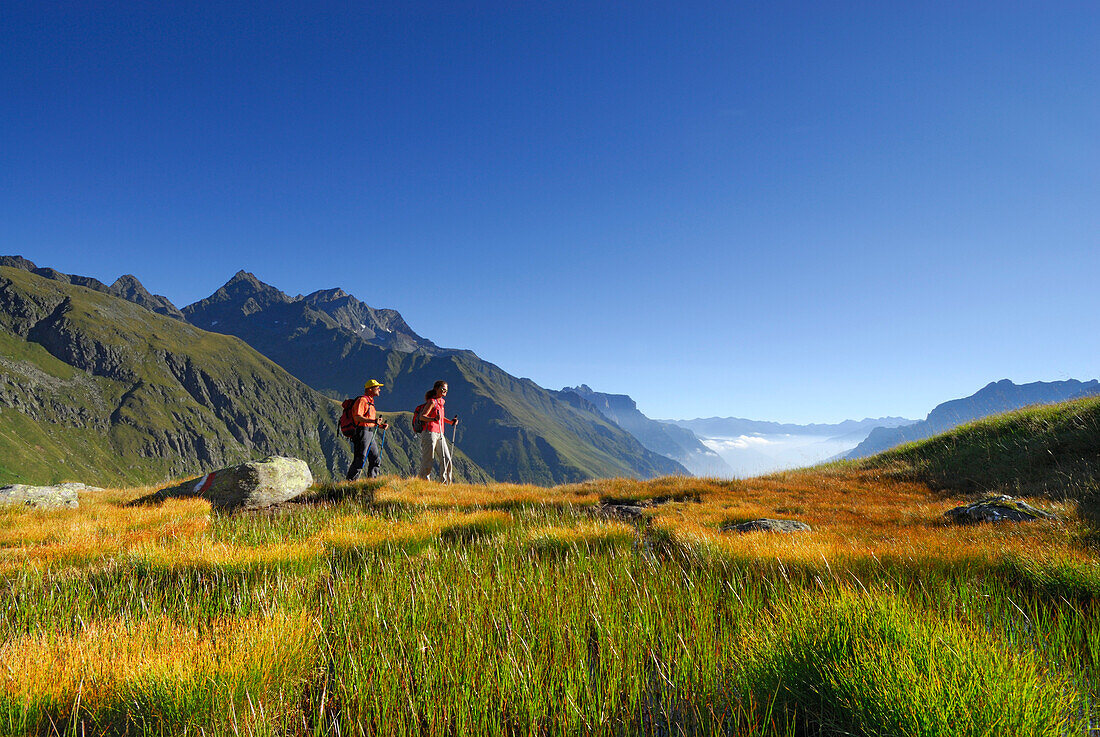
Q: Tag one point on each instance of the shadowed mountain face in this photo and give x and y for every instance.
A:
(677, 443)
(102, 390)
(513, 428)
(385, 328)
(994, 398)
(247, 306)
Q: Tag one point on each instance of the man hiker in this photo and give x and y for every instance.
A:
(432, 442)
(365, 421)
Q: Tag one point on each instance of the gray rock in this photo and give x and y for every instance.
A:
(629, 512)
(767, 525)
(252, 485)
(62, 496)
(77, 486)
(996, 509)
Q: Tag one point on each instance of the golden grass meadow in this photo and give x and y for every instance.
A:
(397, 606)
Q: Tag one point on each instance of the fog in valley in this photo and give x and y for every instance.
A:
(759, 453)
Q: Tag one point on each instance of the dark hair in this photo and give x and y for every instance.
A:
(438, 384)
(429, 395)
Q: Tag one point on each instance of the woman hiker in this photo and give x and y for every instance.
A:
(432, 441)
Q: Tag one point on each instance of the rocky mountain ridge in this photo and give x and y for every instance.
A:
(229, 308)
(126, 286)
(511, 427)
(330, 340)
(95, 386)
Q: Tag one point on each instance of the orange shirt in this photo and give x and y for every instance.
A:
(364, 406)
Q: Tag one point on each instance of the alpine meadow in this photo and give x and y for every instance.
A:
(609, 605)
(478, 368)
(396, 606)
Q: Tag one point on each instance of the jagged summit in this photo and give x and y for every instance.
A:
(129, 288)
(245, 306)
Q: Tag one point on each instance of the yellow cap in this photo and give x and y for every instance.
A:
(372, 383)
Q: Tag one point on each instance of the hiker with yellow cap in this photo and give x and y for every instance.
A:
(358, 423)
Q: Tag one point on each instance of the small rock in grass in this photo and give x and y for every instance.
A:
(996, 509)
(630, 512)
(767, 525)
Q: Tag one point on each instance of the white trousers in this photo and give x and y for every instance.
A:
(434, 446)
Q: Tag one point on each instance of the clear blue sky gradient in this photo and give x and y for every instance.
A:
(784, 211)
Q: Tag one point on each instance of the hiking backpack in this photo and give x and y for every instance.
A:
(347, 422)
(418, 421)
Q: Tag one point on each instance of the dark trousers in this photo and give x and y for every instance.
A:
(362, 445)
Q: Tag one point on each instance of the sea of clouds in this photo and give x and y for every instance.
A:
(756, 454)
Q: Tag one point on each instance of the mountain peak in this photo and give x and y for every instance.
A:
(246, 277)
(244, 284)
(244, 294)
(129, 288)
(129, 282)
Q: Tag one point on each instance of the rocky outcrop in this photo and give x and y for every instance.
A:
(252, 485)
(59, 496)
(996, 509)
(767, 525)
(130, 289)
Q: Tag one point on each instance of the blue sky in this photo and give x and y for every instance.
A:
(801, 212)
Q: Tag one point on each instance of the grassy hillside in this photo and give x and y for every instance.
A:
(97, 389)
(1047, 450)
(412, 608)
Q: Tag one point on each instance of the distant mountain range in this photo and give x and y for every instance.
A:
(331, 341)
(994, 398)
(732, 427)
(677, 443)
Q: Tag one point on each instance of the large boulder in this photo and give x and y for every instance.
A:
(996, 509)
(252, 485)
(61, 496)
(767, 525)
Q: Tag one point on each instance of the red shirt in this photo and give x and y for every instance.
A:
(433, 416)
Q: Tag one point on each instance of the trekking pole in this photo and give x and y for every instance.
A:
(382, 441)
(454, 433)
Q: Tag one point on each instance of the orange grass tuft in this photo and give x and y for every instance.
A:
(106, 657)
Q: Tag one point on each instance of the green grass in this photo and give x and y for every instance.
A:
(609, 629)
(1049, 450)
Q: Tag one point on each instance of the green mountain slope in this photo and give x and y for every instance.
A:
(103, 390)
(511, 427)
(1049, 450)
